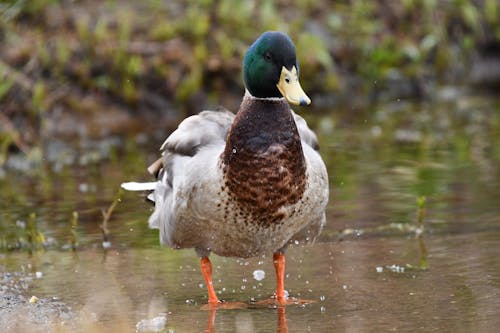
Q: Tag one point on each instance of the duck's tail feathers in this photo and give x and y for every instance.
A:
(135, 186)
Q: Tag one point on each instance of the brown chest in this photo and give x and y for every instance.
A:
(263, 165)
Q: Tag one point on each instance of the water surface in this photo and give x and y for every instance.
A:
(363, 274)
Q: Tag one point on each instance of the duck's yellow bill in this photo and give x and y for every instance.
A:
(290, 88)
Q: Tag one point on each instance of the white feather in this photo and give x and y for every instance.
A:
(135, 186)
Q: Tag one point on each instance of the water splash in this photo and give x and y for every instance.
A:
(156, 324)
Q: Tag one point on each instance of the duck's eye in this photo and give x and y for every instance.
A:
(268, 56)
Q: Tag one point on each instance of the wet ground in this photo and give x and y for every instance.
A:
(369, 270)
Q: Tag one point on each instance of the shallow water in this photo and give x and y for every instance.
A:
(364, 272)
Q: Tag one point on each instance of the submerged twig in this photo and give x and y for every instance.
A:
(73, 237)
(420, 231)
(106, 214)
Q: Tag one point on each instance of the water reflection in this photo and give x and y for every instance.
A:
(247, 324)
(115, 291)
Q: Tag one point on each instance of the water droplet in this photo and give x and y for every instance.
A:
(396, 268)
(379, 269)
(259, 274)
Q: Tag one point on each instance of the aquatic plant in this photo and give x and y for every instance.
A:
(106, 215)
(73, 231)
(35, 238)
(420, 231)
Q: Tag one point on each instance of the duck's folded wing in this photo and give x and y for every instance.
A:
(194, 133)
(207, 127)
(306, 134)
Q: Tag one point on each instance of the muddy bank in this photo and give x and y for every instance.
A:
(22, 312)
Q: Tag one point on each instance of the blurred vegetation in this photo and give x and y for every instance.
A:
(89, 58)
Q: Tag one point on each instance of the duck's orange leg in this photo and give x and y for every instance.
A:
(279, 266)
(206, 270)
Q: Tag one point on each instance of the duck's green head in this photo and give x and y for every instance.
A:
(271, 69)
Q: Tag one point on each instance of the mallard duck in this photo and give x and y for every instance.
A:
(247, 184)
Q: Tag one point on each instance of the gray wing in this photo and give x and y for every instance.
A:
(208, 127)
(308, 137)
(305, 132)
(198, 131)
(205, 128)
